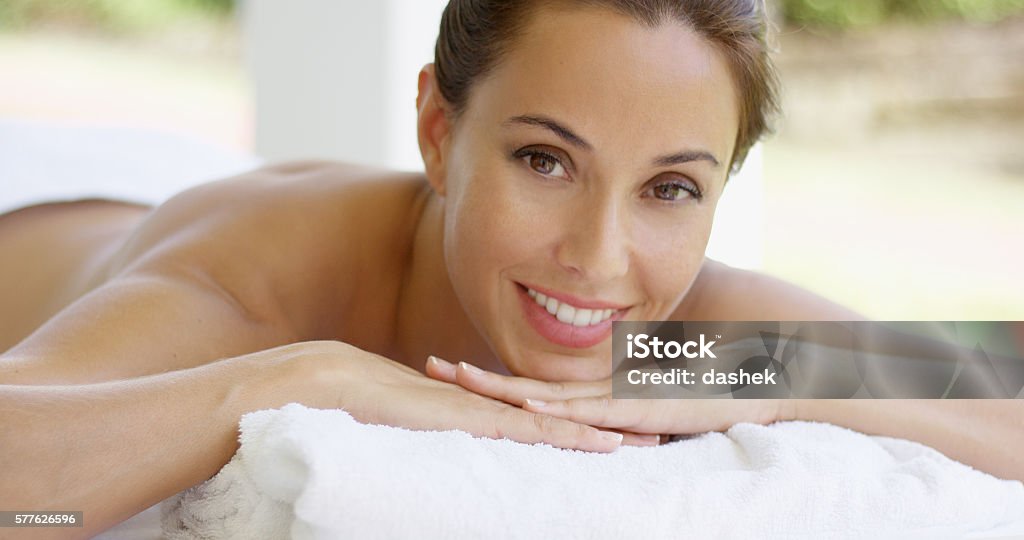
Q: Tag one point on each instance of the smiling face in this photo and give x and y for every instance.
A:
(583, 174)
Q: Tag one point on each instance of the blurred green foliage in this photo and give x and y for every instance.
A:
(108, 15)
(133, 15)
(860, 13)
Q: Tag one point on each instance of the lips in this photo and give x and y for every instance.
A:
(560, 333)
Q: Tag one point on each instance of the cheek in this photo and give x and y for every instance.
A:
(487, 232)
(668, 263)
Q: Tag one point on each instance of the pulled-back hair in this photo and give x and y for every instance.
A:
(476, 33)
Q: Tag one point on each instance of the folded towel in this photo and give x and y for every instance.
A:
(309, 473)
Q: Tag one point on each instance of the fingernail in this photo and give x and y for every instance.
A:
(651, 439)
(471, 368)
(535, 402)
(611, 436)
(437, 361)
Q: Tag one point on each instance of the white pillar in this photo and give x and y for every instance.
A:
(336, 79)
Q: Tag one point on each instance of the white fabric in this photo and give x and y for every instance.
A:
(142, 526)
(321, 474)
(42, 162)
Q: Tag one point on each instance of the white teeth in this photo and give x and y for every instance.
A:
(582, 317)
(568, 314)
(552, 306)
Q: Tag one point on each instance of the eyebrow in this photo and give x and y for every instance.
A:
(568, 136)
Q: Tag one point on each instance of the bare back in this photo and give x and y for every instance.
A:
(52, 254)
(299, 251)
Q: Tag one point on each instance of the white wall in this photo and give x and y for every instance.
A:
(337, 79)
(738, 234)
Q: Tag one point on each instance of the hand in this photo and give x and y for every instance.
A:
(513, 390)
(640, 420)
(377, 390)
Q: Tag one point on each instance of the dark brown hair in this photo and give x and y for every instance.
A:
(476, 33)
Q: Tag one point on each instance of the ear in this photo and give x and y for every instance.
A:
(433, 128)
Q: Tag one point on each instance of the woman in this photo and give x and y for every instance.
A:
(574, 150)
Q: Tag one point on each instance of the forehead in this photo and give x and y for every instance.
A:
(614, 80)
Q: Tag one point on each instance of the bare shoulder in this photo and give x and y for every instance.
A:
(279, 237)
(723, 293)
(269, 197)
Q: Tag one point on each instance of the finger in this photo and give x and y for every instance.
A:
(599, 411)
(514, 390)
(638, 439)
(441, 370)
(531, 428)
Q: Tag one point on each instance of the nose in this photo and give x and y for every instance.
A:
(596, 243)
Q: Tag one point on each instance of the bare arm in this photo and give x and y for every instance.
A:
(986, 434)
(134, 391)
(114, 448)
(111, 449)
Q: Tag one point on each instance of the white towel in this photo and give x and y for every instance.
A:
(320, 474)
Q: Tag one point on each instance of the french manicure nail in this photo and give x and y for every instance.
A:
(611, 436)
(535, 402)
(471, 368)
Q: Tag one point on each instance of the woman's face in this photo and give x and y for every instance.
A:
(585, 168)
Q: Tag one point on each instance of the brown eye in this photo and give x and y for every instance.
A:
(543, 163)
(674, 191)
